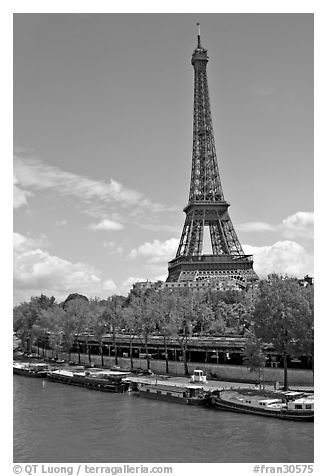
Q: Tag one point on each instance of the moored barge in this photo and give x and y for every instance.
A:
(189, 395)
(298, 407)
(37, 370)
(96, 379)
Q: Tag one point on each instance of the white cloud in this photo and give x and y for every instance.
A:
(23, 243)
(106, 225)
(19, 195)
(109, 285)
(113, 248)
(19, 240)
(162, 277)
(283, 257)
(298, 225)
(128, 283)
(33, 176)
(255, 226)
(157, 251)
(36, 272)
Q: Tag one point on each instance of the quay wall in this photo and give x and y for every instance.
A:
(237, 373)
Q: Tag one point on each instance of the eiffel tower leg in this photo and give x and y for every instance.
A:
(184, 240)
(196, 238)
(234, 246)
(218, 241)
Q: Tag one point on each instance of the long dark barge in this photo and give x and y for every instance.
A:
(95, 379)
(188, 394)
(36, 370)
(296, 407)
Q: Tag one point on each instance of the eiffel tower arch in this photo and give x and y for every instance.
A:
(207, 206)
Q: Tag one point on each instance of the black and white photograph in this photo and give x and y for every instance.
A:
(163, 268)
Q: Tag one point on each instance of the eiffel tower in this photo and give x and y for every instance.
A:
(207, 207)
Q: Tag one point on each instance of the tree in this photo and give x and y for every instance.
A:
(99, 324)
(112, 317)
(26, 317)
(279, 310)
(254, 357)
(166, 308)
(204, 316)
(78, 317)
(304, 331)
(73, 297)
(184, 321)
(129, 323)
(70, 326)
(145, 312)
(50, 325)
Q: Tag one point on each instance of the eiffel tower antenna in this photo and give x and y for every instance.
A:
(207, 207)
(199, 34)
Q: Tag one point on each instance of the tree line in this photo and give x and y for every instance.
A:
(280, 314)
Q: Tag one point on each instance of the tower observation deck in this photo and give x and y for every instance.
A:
(207, 206)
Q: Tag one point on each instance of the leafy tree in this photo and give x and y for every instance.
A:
(166, 308)
(145, 312)
(279, 309)
(51, 323)
(73, 297)
(26, 317)
(254, 357)
(112, 317)
(99, 324)
(129, 323)
(70, 326)
(304, 331)
(185, 321)
(78, 321)
(204, 316)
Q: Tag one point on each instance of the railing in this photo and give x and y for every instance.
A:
(211, 259)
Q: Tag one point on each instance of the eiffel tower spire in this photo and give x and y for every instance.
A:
(207, 206)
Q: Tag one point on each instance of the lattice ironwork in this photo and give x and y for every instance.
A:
(207, 206)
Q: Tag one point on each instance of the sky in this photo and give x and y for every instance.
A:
(103, 143)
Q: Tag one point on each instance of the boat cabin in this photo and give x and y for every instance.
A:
(293, 395)
(253, 400)
(62, 372)
(107, 374)
(198, 376)
(270, 403)
(17, 365)
(39, 366)
(305, 403)
(172, 390)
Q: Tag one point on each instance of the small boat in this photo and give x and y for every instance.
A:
(284, 405)
(30, 370)
(188, 394)
(96, 379)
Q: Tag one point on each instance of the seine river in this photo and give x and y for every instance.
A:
(61, 423)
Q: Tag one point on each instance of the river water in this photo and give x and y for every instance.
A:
(60, 423)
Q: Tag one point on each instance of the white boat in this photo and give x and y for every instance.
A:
(265, 403)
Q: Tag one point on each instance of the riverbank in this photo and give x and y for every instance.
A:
(220, 373)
